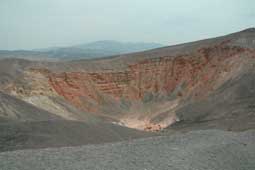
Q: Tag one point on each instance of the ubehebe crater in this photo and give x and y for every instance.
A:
(146, 90)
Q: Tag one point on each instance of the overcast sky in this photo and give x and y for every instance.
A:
(29, 24)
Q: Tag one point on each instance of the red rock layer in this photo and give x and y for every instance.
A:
(163, 75)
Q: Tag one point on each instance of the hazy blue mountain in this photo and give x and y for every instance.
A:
(117, 46)
(83, 51)
(98, 49)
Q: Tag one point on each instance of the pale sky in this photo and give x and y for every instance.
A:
(29, 24)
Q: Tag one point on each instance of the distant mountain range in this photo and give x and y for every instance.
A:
(83, 51)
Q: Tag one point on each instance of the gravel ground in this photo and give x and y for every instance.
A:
(199, 150)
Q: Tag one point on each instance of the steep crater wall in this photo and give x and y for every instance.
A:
(183, 77)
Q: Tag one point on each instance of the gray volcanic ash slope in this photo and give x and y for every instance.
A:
(13, 109)
(45, 134)
(231, 107)
(25, 126)
(200, 150)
